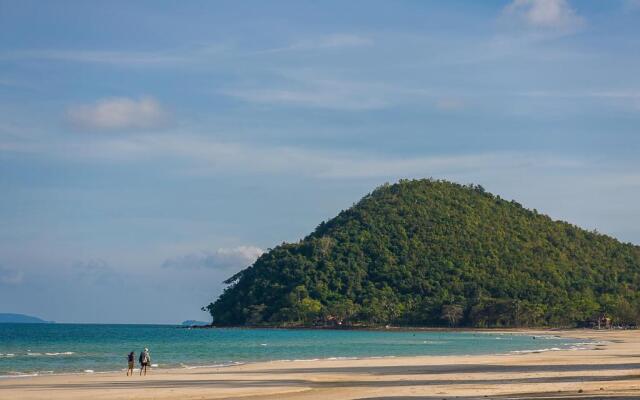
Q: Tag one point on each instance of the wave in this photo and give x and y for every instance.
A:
(15, 374)
(537, 350)
(548, 337)
(227, 364)
(50, 354)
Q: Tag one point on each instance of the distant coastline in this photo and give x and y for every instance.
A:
(12, 318)
(191, 323)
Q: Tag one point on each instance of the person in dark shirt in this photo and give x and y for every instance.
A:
(131, 361)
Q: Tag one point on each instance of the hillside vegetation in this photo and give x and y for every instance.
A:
(435, 253)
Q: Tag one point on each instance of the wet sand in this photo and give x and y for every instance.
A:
(610, 370)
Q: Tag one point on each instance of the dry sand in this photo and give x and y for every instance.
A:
(609, 371)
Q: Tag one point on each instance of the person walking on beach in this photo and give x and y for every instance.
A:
(130, 360)
(145, 360)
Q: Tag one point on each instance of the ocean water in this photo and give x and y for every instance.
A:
(77, 348)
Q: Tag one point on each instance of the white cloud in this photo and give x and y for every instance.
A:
(118, 113)
(223, 258)
(10, 276)
(544, 14)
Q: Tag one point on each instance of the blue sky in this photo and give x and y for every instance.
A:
(149, 150)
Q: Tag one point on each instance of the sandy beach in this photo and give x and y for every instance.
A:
(610, 370)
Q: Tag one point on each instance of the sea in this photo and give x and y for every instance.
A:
(37, 349)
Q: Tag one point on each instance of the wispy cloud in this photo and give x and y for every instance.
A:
(209, 157)
(331, 41)
(338, 40)
(96, 271)
(450, 104)
(122, 58)
(631, 5)
(623, 99)
(327, 95)
(386, 167)
(206, 155)
(611, 94)
(544, 14)
(7, 82)
(118, 113)
(314, 89)
(222, 258)
(179, 57)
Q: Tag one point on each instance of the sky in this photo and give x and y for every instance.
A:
(151, 149)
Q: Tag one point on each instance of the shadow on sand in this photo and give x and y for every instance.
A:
(558, 396)
(538, 396)
(449, 369)
(223, 383)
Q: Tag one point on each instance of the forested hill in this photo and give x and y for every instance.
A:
(435, 253)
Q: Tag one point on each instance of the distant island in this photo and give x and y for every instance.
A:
(191, 322)
(8, 318)
(436, 253)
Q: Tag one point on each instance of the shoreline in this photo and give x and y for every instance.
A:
(389, 328)
(542, 332)
(607, 371)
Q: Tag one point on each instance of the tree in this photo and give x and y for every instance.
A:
(310, 310)
(255, 314)
(452, 313)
